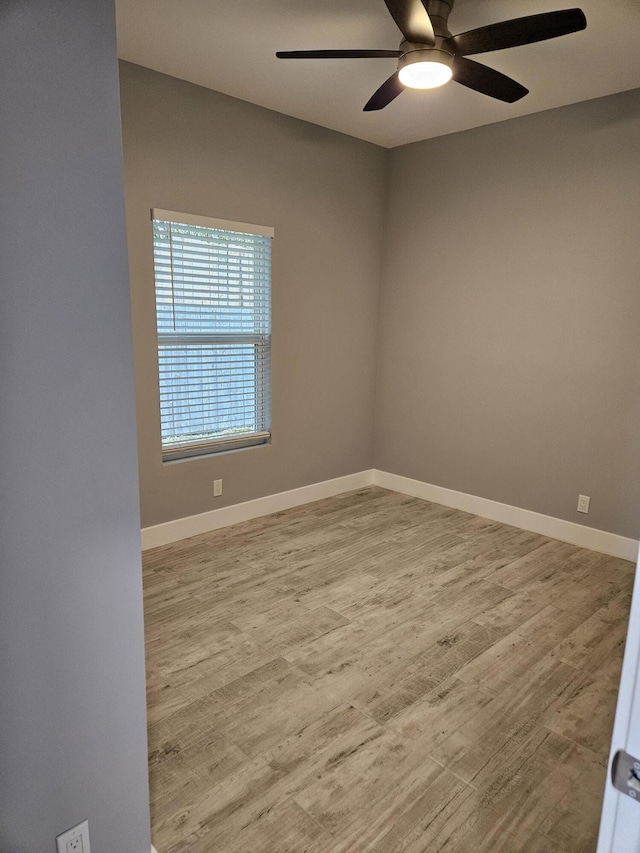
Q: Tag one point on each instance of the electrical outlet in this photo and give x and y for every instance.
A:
(583, 503)
(217, 488)
(75, 840)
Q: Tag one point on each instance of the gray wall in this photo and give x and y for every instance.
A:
(509, 357)
(190, 149)
(72, 704)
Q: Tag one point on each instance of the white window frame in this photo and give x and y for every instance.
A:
(173, 450)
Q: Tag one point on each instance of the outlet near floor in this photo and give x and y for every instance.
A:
(217, 488)
(75, 840)
(583, 503)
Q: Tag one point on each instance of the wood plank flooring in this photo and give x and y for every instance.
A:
(376, 673)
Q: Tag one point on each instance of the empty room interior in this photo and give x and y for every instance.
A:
(390, 614)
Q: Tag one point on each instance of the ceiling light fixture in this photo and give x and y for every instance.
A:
(429, 55)
(425, 69)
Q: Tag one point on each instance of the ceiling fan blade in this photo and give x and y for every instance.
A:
(519, 31)
(413, 20)
(486, 80)
(336, 54)
(389, 90)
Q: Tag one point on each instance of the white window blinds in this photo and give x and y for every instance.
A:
(213, 307)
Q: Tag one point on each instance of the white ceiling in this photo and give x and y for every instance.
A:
(230, 45)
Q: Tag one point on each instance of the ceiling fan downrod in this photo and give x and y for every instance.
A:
(439, 11)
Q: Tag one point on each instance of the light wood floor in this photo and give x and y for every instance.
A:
(377, 673)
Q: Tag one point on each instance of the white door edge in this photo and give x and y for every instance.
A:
(620, 818)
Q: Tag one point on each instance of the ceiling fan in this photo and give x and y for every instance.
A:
(429, 55)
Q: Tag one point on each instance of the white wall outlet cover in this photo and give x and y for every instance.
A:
(583, 503)
(75, 840)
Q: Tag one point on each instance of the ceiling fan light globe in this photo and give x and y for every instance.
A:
(425, 75)
(424, 67)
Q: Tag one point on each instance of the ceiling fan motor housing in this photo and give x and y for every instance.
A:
(441, 52)
(439, 11)
(411, 53)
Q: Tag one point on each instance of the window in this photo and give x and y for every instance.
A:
(213, 309)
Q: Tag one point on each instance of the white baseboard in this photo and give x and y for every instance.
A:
(546, 525)
(153, 849)
(194, 525)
